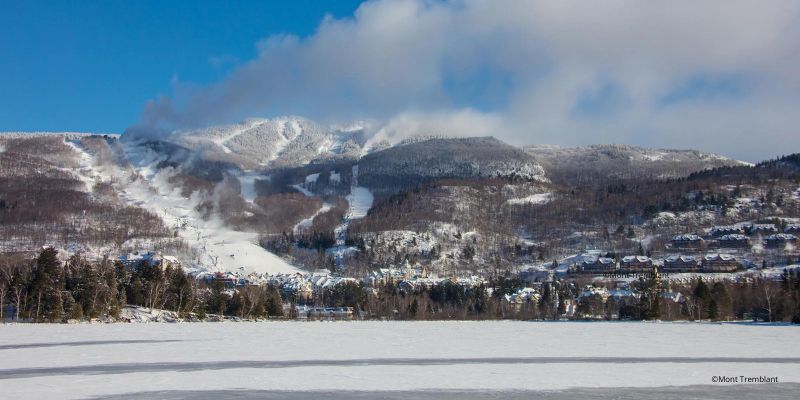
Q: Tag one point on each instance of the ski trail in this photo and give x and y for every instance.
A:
(359, 202)
(305, 223)
(216, 246)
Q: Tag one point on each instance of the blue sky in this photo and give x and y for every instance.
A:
(92, 65)
(677, 74)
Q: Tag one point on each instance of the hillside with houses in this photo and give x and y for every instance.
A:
(480, 229)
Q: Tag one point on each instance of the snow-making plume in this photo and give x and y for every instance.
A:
(463, 123)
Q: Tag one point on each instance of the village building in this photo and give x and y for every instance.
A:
(636, 264)
(515, 301)
(303, 292)
(720, 263)
(687, 241)
(723, 230)
(780, 240)
(681, 264)
(761, 229)
(734, 241)
(228, 279)
(793, 229)
(599, 265)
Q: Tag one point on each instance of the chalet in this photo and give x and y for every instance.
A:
(599, 265)
(523, 296)
(720, 263)
(253, 279)
(303, 291)
(723, 230)
(681, 264)
(734, 241)
(762, 229)
(793, 229)
(687, 241)
(780, 240)
(636, 264)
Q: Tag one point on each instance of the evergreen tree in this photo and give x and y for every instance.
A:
(273, 303)
(721, 301)
(702, 296)
(72, 308)
(47, 286)
(217, 300)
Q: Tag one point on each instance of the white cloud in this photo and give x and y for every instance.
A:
(566, 72)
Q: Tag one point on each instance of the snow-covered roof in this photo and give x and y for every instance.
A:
(631, 259)
(781, 237)
(600, 260)
(682, 258)
(725, 228)
(719, 257)
(763, 227)
(734, 237)
(686, 237)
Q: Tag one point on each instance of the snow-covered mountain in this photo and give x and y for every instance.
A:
(278, 142)
(579, 164)
(411, 163)
(287, 193)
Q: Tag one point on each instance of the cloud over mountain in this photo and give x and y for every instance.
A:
(716, 75)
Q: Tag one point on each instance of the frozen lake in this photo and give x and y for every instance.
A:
(416, 360)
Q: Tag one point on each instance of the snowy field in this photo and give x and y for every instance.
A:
(409, 360)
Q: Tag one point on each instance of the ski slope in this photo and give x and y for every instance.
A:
(216, 246)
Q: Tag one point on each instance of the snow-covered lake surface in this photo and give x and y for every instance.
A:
(422, 360)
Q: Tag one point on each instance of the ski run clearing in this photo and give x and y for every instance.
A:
(219, 248)
(39, 361)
